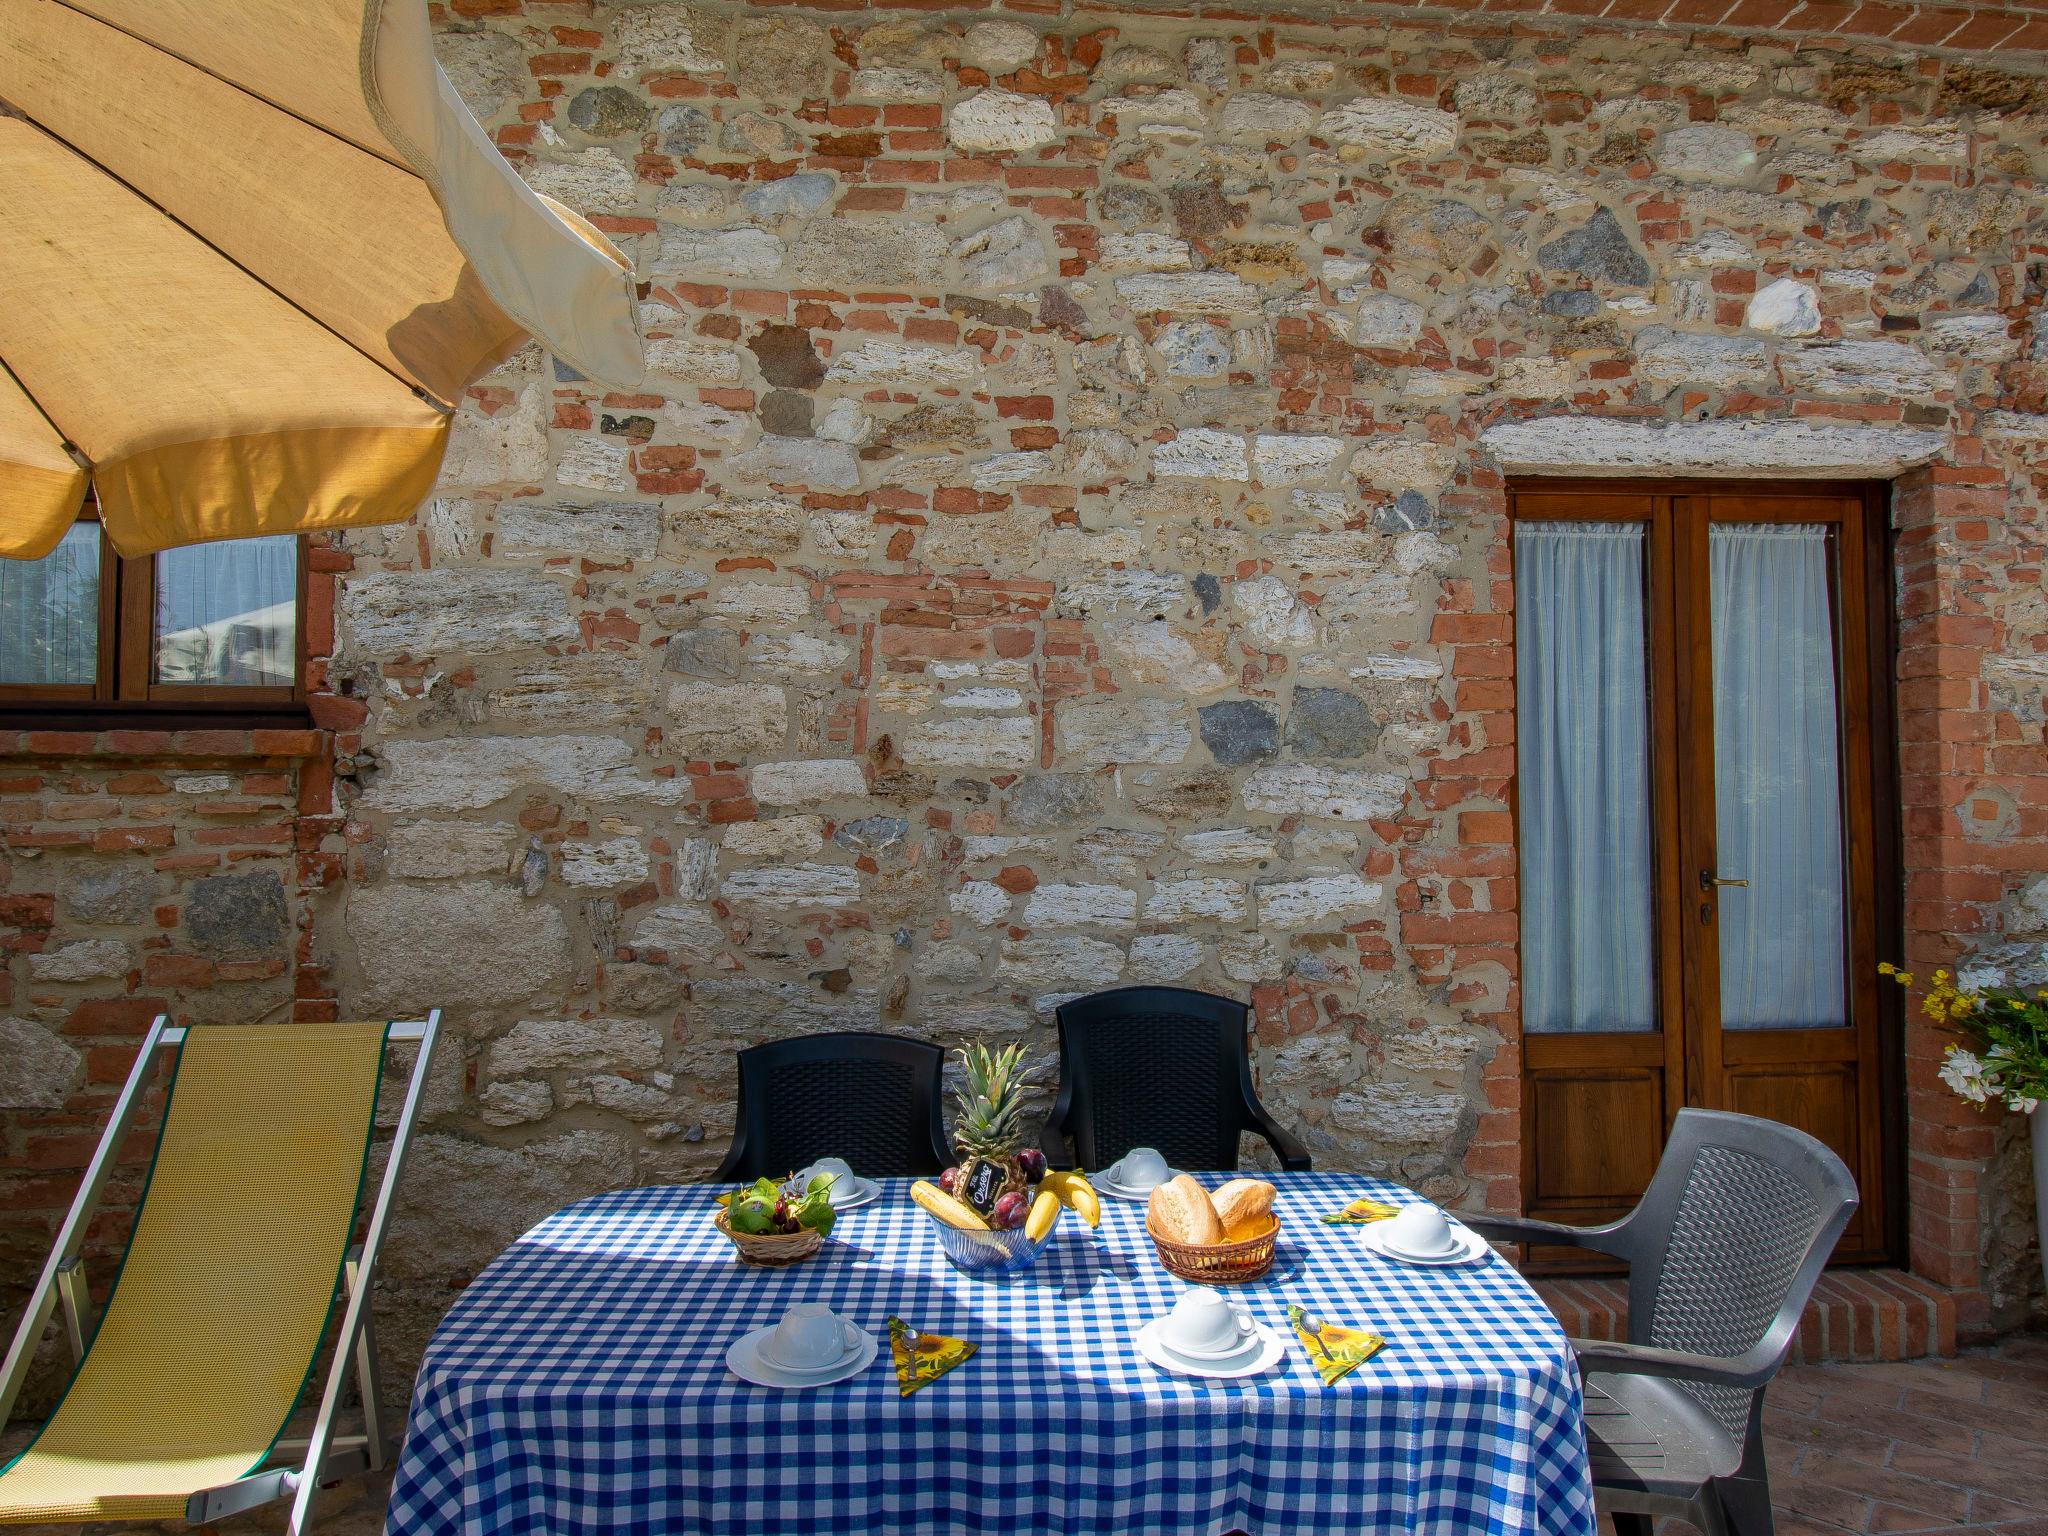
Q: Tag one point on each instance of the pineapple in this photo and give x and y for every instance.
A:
(989, 1131)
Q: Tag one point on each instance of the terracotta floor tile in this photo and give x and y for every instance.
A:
(1792, 1393)
(1990, 1509)
(1818, 1501)
(2026, 1426)
(1943, 1435)
(2020, 1398)
(2023, 1373)
(1893, 1518)
(1871, 1448)
(1935, 1445)
(1923, 1376)
(2011, 1465)
(1937, 1502)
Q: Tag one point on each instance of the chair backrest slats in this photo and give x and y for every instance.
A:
(1729, 1240)
(1162, 1067)
(871, 1099)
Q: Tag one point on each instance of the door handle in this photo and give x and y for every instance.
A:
(1708, 880)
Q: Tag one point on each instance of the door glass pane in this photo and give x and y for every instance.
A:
(1583, 778)
(50, 613)
(1777, 776)
(227, 613)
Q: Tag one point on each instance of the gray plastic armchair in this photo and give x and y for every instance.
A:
(1723, 1251)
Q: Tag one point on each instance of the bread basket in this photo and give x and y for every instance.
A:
(1218, 1263)
(771, 1250)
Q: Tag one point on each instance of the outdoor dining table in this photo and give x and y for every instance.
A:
(580, 1385)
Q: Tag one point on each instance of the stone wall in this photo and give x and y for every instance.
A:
(1061, 543)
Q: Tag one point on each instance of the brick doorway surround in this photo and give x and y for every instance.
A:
(1961, 763)
(1855, 1315)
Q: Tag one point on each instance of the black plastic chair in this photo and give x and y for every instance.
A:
(1723, 1251)
(871, 1099)
(1162, 1067)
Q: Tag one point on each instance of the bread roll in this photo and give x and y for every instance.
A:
(1243, 1203)
(1181, 1212)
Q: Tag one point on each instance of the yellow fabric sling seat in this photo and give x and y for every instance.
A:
(230, 1279)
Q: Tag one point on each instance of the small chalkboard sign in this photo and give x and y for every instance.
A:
(982, 1186)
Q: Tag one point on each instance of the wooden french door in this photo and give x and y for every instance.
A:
(1704, 817)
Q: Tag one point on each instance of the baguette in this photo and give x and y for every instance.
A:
(1243, 1205)
(1181, 1212)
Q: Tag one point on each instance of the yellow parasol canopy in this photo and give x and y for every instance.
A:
(251, 251)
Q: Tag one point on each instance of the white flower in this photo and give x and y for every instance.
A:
(1963, 1072)
(2019, 1103)
(1979, 978)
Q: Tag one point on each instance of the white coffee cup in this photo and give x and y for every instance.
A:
(810, 1337)
(1139, 1169)
(842, 1176)
(1206, 1326)
(1422, 1231)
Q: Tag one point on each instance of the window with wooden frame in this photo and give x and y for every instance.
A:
(213, 629)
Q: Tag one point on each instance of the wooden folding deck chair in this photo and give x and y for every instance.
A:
(240, 1247)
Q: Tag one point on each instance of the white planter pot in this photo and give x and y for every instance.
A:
(2040, 1119)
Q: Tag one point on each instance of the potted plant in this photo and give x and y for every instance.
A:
(2002, 1057)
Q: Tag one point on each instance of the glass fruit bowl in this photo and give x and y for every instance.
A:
(990, 1253)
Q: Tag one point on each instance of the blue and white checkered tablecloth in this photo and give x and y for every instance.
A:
(579, 1386)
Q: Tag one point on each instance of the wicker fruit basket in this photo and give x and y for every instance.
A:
(772, 1250)
(1219, 1263)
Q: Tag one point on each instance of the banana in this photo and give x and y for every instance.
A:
(1045, 1212)
(954, 1213)
(1076, 1193)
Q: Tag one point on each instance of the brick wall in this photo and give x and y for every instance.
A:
(1974, 784)
(159, 875)
(1061, 541)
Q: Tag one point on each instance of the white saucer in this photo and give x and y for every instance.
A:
(1104, 1185)
(1471, 1247)
(1258, 1356)
(746, 1361)
(860, 1191)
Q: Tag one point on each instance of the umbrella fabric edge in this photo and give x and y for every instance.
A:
(549, 269)
(41, 504)
(41, 485)
(302, 480)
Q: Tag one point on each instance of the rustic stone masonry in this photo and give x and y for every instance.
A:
(1061, 543)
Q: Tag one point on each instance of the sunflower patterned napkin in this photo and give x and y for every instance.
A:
(1334, 1350)
(922, 1358)
(1364, 1208)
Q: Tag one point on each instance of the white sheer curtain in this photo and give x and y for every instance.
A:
(1583, 777)
(1777, 777)
(228, 612)
(50, 612)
